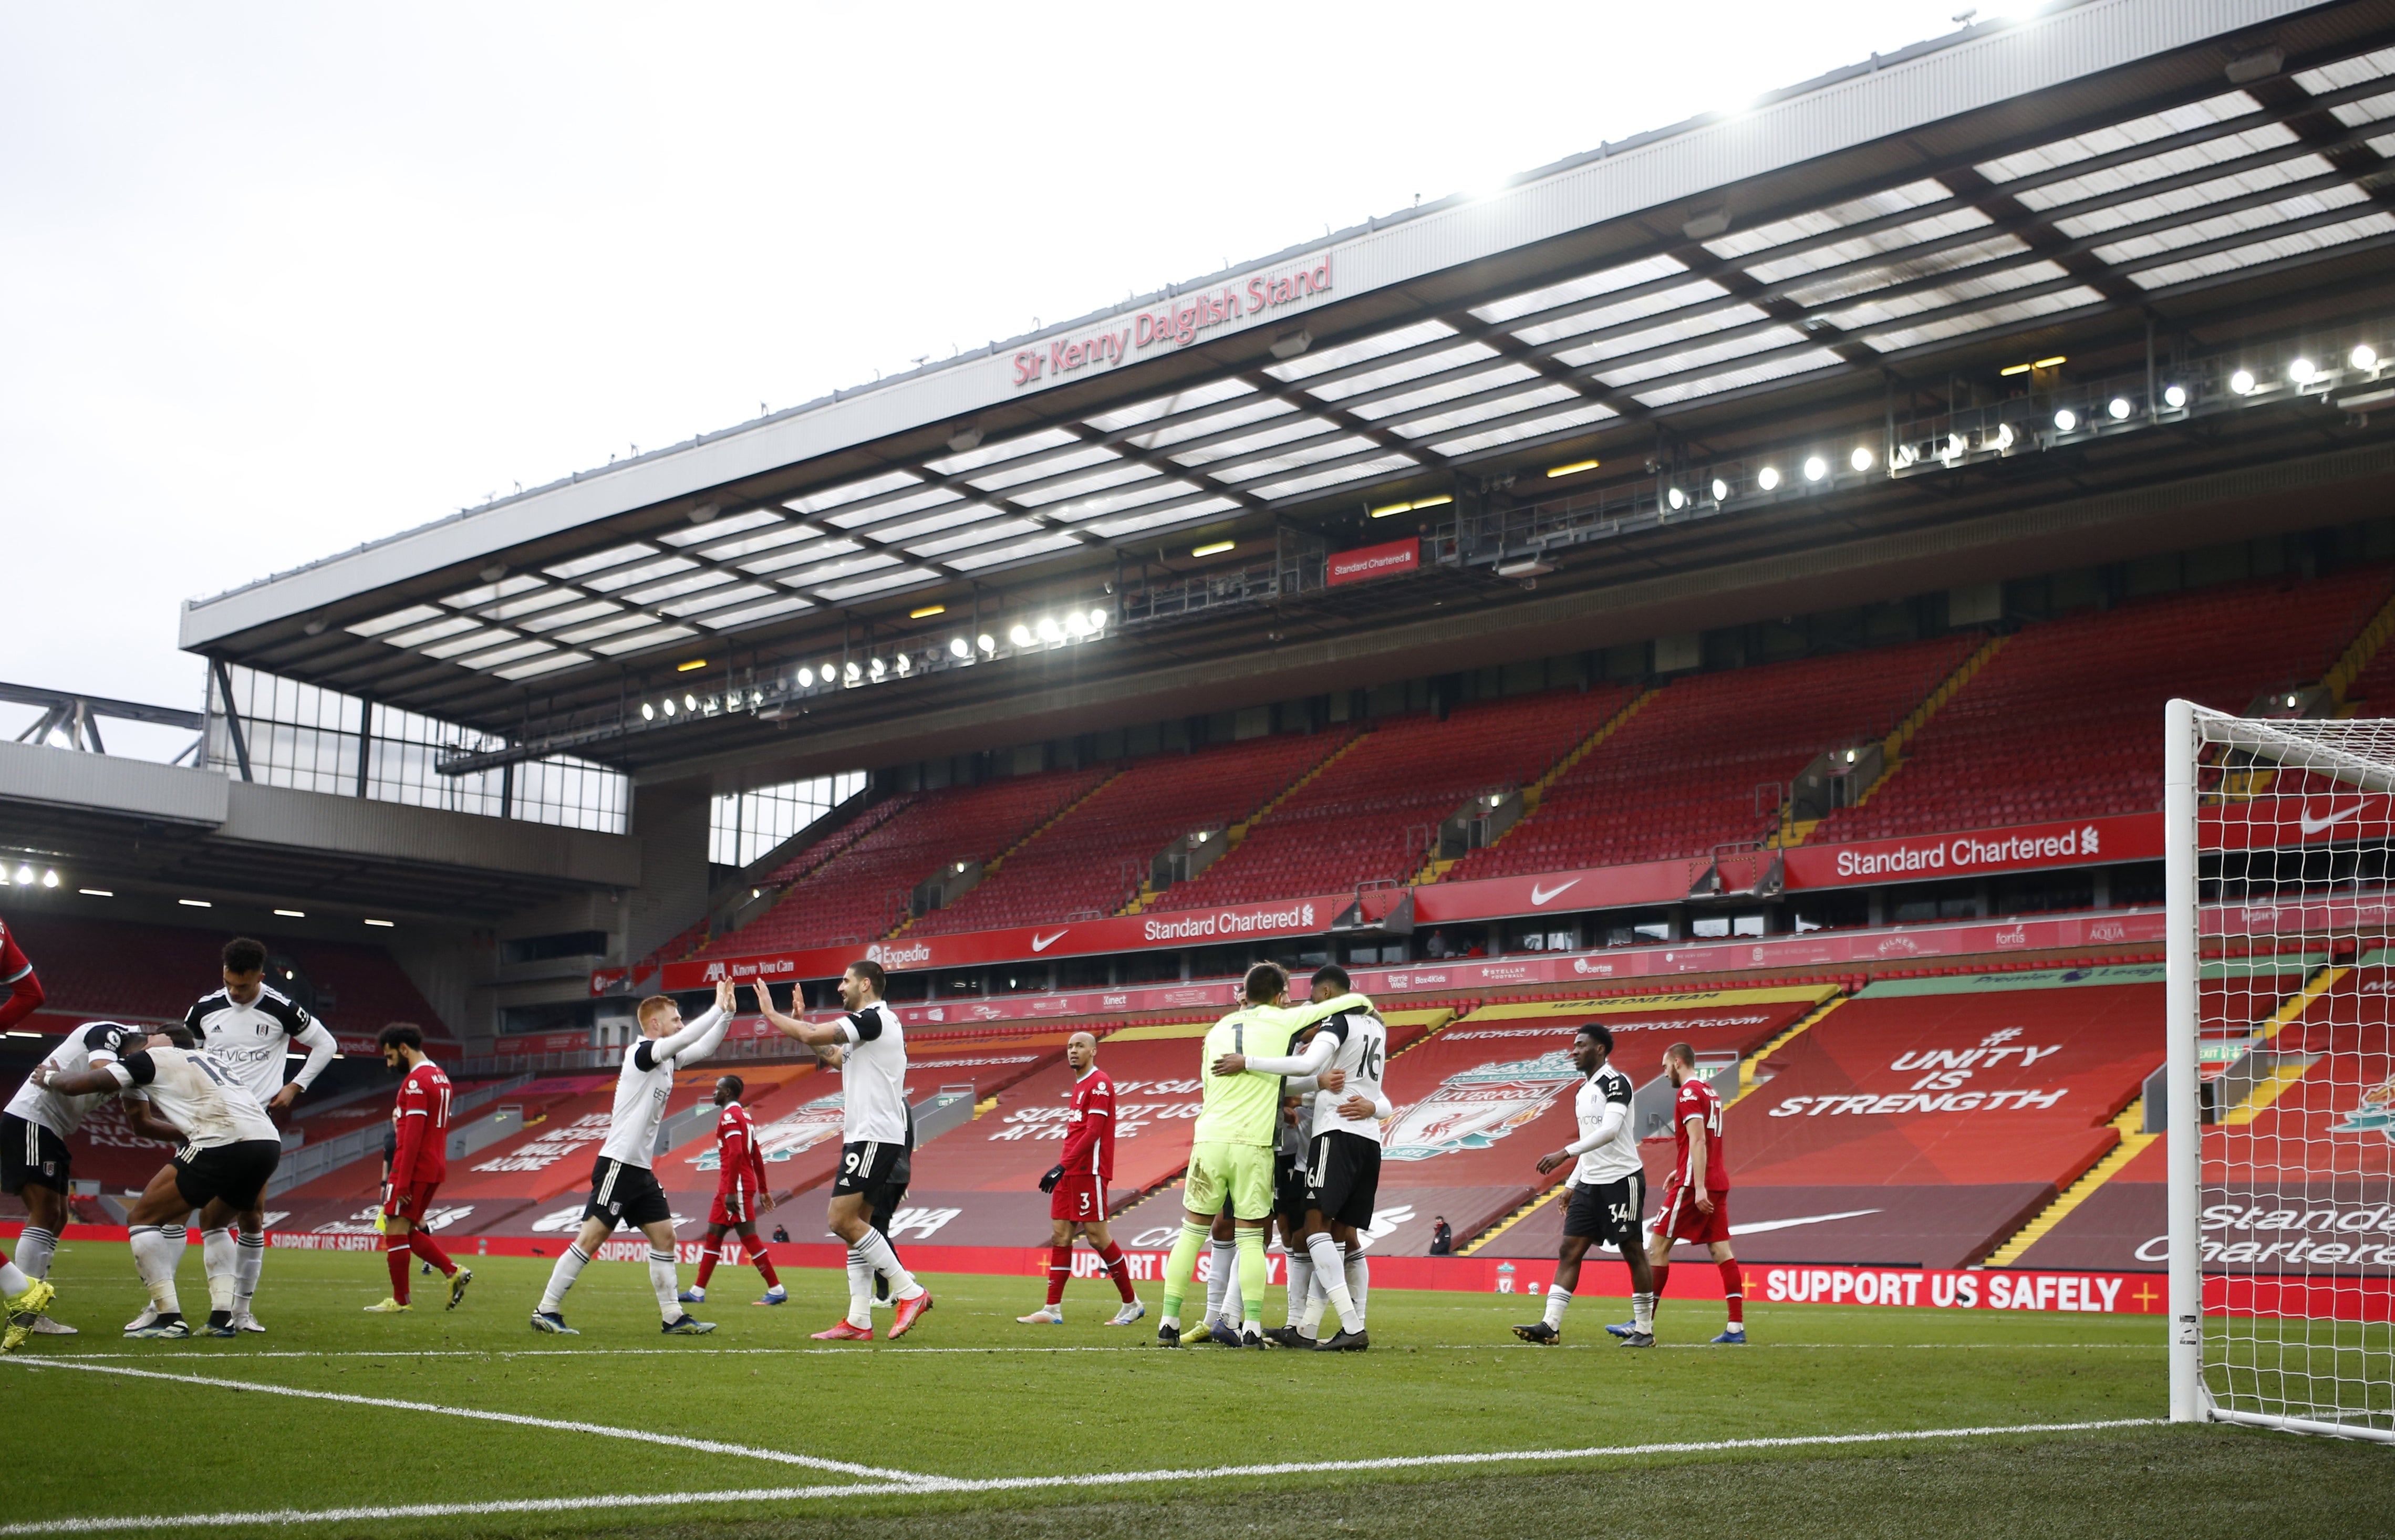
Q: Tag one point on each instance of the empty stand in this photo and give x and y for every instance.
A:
(1094, 860)
(1366, 817)
(94, 969)
(1681, 776)
(2066, 721)
(863, 890)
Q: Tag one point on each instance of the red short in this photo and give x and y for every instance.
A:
(1683, 1220)
(411, 1202)
(1080, 1198)
(736, 1207)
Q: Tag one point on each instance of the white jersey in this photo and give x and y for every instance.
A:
(1363, 1053)
(253, 1040)
(643, 1087)
(1617, 1157)
(87, 1047)
(874, 1086)
(200, 1096)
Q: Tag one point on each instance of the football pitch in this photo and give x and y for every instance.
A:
(1832, 1420)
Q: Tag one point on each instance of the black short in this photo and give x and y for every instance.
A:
(32, 1156)
(236, 1172)
(626, 1194)
(883, 1204)
(1288, 1192)
(867, 1164)
(1607, 1213)
(1344, 1177)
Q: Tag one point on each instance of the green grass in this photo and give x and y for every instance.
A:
(972, 1395)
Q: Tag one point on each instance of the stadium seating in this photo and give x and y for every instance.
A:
(1365, 819)
(82, 966)
(2065, 721)
(1681, 776)
(1091, 862)
(863, 890)
(1478, 1102)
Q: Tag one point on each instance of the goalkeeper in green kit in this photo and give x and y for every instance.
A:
(1233, 1154)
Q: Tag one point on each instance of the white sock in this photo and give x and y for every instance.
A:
(1234, 1299)
(1359, 1277)
(662, 1280)
(248, 1260)
(1558, 1300)
(570, 1264)
(1220, 1272)
(860, 1289)
(883, 1260)
(1316, 1301)
(1301, 1283)
(1641, 1312)
(13, 1281)
(1326, 1266)
(217, 1263)
(154, 1258)
(35, 1248)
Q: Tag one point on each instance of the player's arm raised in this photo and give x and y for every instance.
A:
(815, 1035)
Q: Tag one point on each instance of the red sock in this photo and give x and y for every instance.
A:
(764, 1263)
(1060, 1267)
(395, 1253)
(707, 1251)
(1734, 1291)
(1662, 1270)
(1119, 1271)
(430, 1250)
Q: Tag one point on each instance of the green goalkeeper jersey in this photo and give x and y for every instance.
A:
(1245, 1108)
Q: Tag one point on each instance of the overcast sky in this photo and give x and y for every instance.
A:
(275, 280)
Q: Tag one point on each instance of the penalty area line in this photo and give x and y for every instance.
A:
(704, 1446)
(933, 1485)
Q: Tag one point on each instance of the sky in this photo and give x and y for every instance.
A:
(279, 279)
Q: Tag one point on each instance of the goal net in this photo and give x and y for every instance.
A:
(2280, 1081)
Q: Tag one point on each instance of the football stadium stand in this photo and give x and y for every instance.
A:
(1095, 860)
(2039, 734)
(1686, 772)
(1367, 817)
(866, 889)
(125, 970)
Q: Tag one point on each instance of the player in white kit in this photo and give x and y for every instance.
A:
(1340, 1072)
(874, 1136)
(250, 1028)
(225, 1150)
(622, 1188)
(35, 1164)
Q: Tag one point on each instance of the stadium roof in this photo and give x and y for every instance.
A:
(1700, 297)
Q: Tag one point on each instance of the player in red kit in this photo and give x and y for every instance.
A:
(1696, 1204)
(24, 995)
(418, 1168)
(1077, 1187)
(739, 1195)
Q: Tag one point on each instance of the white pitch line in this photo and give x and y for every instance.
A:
(939, 1485)
(705, 1446)
(492, 1353)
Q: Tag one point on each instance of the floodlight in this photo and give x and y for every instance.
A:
(50, 879)
(1019, 635)
(2118, 407)
(2175, 396)
(2301, 370)
(1721, 490)
(2004, 436)
(960, 648)
(24, 876)
(876, 668)
(1047, 628)
(2363, 357)
(986, 642)
(2065, 420)
(1097, 620)
(1767, 478)
(2242, 382)
(1816, 467)
(1677, 498)
(690, 703)
(669, 705)
(648, 712)
(1860, 459)
(1076, 624)
(806, 679)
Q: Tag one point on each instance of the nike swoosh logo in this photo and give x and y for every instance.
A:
(1790, 1224)
(1041, 944)
(1540, 895)
(2316, 825)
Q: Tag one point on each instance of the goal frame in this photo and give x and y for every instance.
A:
(2187, 728)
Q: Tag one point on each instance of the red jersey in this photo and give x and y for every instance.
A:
(25, 990)
(1090, 1127)
(420, 1116)
(1697, 1100)
(739, 1164)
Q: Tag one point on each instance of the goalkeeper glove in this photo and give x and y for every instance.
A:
(1055, 1173)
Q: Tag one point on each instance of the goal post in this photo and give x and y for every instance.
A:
(2279, 1079)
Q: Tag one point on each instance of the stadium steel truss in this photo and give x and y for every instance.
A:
(1713, 328)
